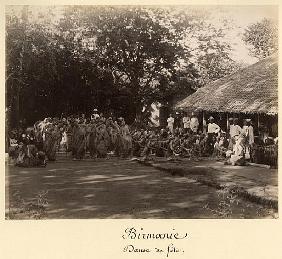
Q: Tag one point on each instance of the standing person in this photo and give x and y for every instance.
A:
(235, 130)
(126, 139)
(38, 136)
(264, 131)
(63, 143)
(177, 120)
(116, 138)
(102, 140)
(231, 134)
(88, 127)
(52, 136)
(245, 128)
(83, 118)
(81, 141)
(102, 117)
(213, 130)
(194, 123)
(74, 139)
(248, 131)
(170, 122)
(112, 131)
(186, 122)
(69, 136)
(92, 140)
(245, 132)
(251, 137)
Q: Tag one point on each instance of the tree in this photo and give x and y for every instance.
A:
(139, 49)
(30, 67)
(117, 59)
(15, 57)
(210, 50)
(262, 37)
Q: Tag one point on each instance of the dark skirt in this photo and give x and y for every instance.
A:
(50, 146)
(209, 148)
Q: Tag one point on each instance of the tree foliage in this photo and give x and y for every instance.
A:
(262, 37)
(118, 59)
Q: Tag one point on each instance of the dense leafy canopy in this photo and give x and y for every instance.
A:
(118, 59)
(263, 38)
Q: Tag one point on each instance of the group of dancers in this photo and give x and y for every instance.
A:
(96, 136)
(101, 137)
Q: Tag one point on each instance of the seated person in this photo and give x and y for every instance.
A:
(29, 156)
(237, 156)
(220, 146)
(13, 146)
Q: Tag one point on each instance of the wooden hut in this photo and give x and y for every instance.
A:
(250, 92)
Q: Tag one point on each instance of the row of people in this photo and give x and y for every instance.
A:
(100, 136)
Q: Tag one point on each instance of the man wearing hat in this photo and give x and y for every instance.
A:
(235, 131)
(186, 122)
(213, 130)
(212, 126)
(248, 131)
(170, 122)
(95, 115)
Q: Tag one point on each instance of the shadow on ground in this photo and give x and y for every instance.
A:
(116, 189)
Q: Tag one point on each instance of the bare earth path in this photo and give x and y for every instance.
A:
(116, 189)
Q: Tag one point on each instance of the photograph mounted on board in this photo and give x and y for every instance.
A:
(144, 112)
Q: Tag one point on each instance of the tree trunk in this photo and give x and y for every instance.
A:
(17, 110)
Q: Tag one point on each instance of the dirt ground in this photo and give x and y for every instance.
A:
(116, 189)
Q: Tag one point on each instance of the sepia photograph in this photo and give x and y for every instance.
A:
(141, 112)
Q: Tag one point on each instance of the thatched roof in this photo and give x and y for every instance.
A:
(253, 89)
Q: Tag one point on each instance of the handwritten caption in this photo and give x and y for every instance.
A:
(166, 249)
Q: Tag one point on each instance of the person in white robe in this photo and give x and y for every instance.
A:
(170, 122)
(194, 123)
(186, 122)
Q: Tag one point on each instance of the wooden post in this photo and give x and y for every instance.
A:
(204, 123)
(227, 122)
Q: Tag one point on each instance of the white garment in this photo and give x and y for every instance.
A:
(251, 135)
(13, 142)
(235, 130)
(238, 148)
(213, 128)
(194, 124)
(64, 138)
(170, 122)
(186, 122)
(238, 153)
(245, 130)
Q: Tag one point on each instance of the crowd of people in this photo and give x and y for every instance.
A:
(101, 137)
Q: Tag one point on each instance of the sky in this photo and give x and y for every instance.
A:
(241, 16)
